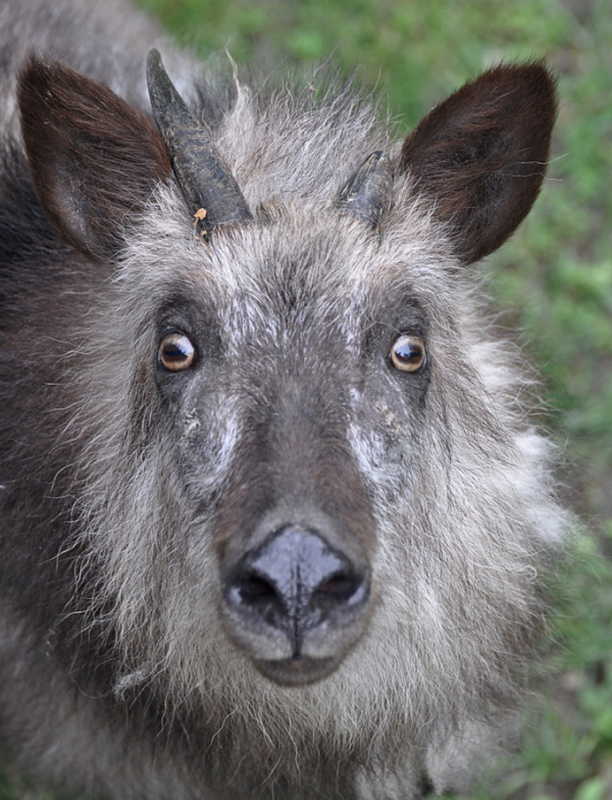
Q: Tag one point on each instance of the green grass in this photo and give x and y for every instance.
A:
(554, 278)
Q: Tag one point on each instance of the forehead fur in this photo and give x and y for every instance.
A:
(302, 140)
(299, 254)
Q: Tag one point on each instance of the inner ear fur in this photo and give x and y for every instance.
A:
(481, 155)
(93, 157)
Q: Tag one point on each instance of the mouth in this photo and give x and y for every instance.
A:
(298, 670)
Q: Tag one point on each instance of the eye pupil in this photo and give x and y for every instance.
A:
(408, 352)
(176, 352)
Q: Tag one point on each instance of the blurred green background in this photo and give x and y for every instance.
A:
(553, 281)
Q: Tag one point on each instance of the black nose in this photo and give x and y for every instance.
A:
(296, 581)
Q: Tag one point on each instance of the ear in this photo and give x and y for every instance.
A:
(481, 155)
(94, 158)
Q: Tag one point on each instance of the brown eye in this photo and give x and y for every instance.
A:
(408, 352)
(176, 351)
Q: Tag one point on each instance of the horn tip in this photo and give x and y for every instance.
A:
(154, 61)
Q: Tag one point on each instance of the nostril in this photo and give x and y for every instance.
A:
(254, 589)
(339, 587)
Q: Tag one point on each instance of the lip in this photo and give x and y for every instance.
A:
(297, 671)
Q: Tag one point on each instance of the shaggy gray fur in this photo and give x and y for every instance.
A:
(120, 674)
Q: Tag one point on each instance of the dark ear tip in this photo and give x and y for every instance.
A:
(536, 76)
(34, 81)
(35, 69)
(43, 65)
(530, 82)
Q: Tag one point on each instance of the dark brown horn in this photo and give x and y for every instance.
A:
(368, 192)
(205, 179)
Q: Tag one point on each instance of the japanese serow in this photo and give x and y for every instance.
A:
(274, 520)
